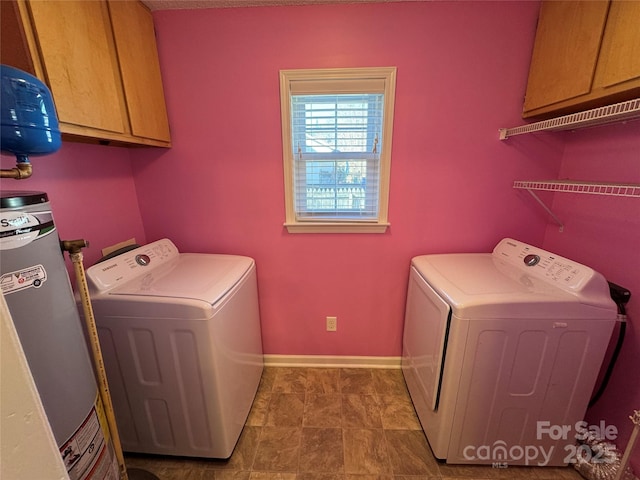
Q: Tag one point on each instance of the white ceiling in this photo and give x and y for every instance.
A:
(190, 4)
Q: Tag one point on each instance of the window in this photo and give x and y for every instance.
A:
(336, 134)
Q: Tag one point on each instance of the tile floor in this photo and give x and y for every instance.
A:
(332, 424)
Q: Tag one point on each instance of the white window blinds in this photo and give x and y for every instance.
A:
(336, 145)
(336, 127)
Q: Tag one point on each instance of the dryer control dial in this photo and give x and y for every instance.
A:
(143, 260)
(531, 260)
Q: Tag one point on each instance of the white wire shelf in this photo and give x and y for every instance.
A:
(617, 112)
(572, 186)
(591, 188)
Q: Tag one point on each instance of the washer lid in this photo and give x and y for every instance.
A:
(507, 284)
(198, 276)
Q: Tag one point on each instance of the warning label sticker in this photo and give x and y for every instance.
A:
(30, 277)
(88, 454)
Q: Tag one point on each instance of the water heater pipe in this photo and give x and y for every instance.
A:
(21, 171)
(74, 248)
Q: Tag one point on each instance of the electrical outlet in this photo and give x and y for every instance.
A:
(332, 324)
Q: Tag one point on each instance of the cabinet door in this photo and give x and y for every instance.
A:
(620, 53)
(140, 69)
(14, 48)
(80, 66)
(565, 51)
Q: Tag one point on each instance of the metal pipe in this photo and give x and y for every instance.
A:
(21, 171)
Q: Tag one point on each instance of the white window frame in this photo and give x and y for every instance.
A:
(337, 81)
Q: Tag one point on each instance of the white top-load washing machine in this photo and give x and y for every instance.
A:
(182, 346)
(501, 352)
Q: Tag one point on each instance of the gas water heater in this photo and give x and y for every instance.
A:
(36, 286)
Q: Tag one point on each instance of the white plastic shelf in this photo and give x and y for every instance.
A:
(617, 112)
(591, 188)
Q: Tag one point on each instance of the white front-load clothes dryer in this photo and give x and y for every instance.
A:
(501, 352)
(182, 346)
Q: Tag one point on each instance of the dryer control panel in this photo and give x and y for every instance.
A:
(117, 270)
(547, 266)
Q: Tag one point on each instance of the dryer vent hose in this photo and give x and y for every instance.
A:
(601, 460)
(621, 297)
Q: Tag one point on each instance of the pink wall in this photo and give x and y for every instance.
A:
(91, 192)
(462, 68)
(604, 233)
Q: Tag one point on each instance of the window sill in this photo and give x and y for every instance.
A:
(336, 227)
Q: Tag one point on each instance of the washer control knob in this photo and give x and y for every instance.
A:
(531, 260)
(143, 260)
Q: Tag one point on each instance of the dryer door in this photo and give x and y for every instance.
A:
(426, 328)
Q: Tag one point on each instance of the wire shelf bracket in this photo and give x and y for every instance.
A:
(618, 112)
(571, 186)
(547, 209)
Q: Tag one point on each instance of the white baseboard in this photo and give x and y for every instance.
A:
(333, 361)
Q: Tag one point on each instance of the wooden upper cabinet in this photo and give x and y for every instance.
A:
(620, 53)
(101, 67)
(565, 51)
(586, 54)
(14, 48)
(80, 68)
(137, 52)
